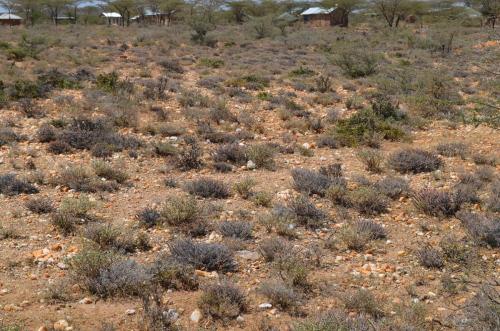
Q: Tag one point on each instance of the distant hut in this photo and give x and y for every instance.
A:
(149, 16)
(317, 16)
(10, 19)
(112, 18)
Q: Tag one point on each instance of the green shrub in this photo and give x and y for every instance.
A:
(357, 63)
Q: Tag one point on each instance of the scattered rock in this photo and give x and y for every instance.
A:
(61, 325)
(248, 255)
(85, 301)
(130, 311)
(195, 316)
(240, 319)
(265, 305)
(251, 165)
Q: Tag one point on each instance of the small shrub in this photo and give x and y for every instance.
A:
(208, 188)
(273, 248)
(208, 256)
(310, 182)
(232, 153)
(372, 160)
(149, 217)
(414, 161)
(81, 179)
(452, 149)
(374, 230)
(40, 205)
(353, 239)
(365, 302)
(236, 229)
(280, 295)
(189, 158)
(11, 185)
(480, 312)
(494, 198)
(368, 201)
(64, 222)
(306, 213)
(393, 187)
(58, 147)
(483, 159)
(293, 269)
(78, 207)
(334, 320)
(222, 301)
(435, 203)
(165, 149)
(430, 257)
(170, 274)
(106, 170)
(263, 199)
(262, 155)
(179, 210)
(482, 228)
(244, 188)
(46, 133)
(455, 250)
(357, 64)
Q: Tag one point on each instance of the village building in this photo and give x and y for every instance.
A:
(317, 16)
(112, 18)
(10, 19)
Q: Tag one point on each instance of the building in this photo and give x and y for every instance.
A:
(10, 19)
(317, 16)
(112, 18)
(149, 16)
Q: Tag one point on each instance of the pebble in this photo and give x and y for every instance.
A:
(61, 325)
(240, 319)
(248, 255)
(251, 165)
(62, 266)
(130, 311)
(265, 305)
(195, 316)
(85, 301)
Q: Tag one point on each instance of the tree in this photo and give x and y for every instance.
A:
(491, 10)
(55, 7)
(170, 8)
(238, 9)
(124, 8)
(391, 10)
(29, 8)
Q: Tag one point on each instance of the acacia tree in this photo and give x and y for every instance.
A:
(491, 10)
(28, 8)
(124, 8)
(55, 7)
(170, 8)
(238, 9)
(391, 10)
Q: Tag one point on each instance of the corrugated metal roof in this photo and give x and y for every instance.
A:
(9, 17)
(111, 15)
(317, 10)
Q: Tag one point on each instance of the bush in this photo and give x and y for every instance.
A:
(10, 185)
(263, 199)
(393, 187)
(165, 149)
(281, 295)
(365, 302)
(236, 229)
(494, 198)
(244, 188)
(482, 228)
(368, 201)
(293, 268)
(335, 320)
(310, 182)
(435, 203)
(207, 256)
(78, 207)
(430, 257)
(7, 135)
(208, 188)
(170, 274)
(149, 217)
(106, 275)
(232, 153)
(46, 133)
(273, 248)
(81, 179)
(480, 312)
(356, 63)
(106, 170)
(414, 161)
(354, 239)
(262, 155)
(372, 159)
(179, 210)
(306, 213)
(58, 147)
(452, 149)
(374, 230)
(65, 222)
(40, 205)
(222, 301)
(189, 158)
